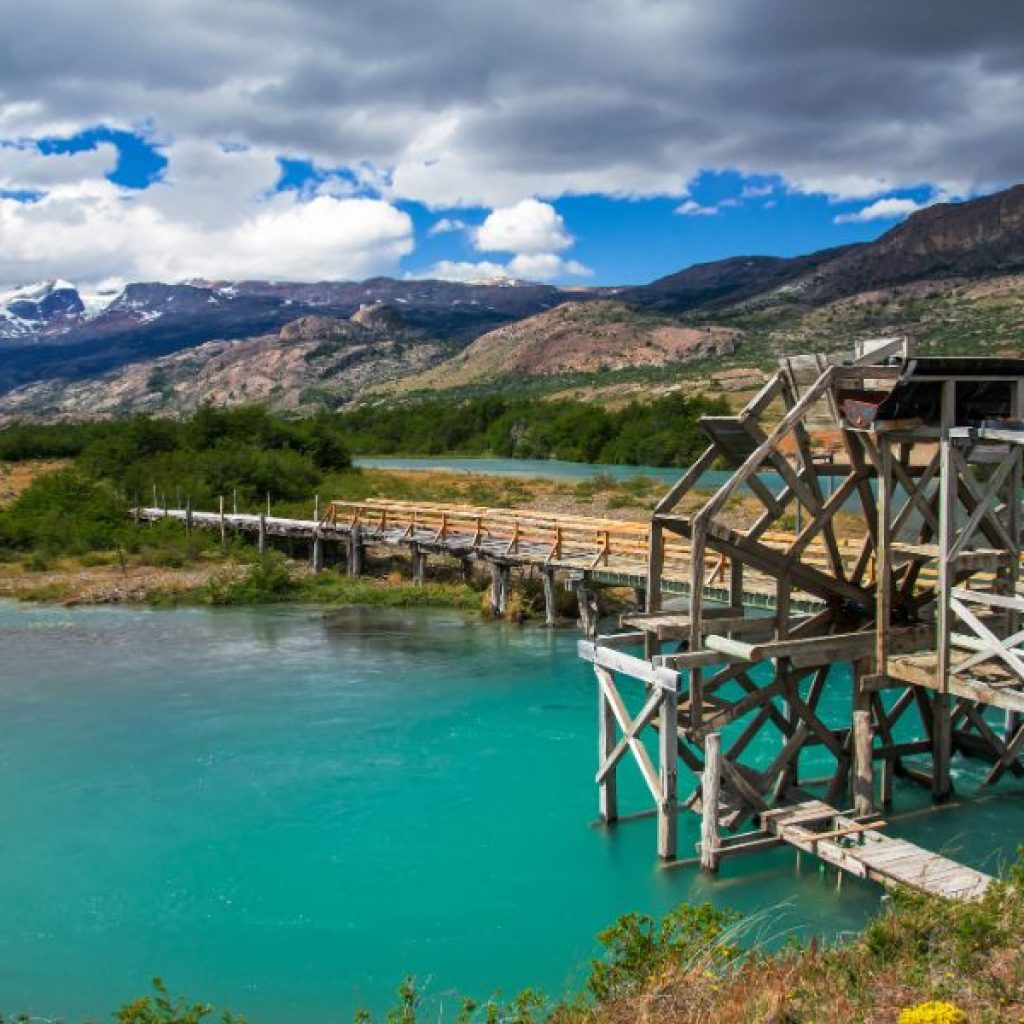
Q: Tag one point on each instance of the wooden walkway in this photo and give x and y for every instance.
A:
(587, 550)
(860, 849)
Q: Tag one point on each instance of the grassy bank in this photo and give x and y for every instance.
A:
(920, 961)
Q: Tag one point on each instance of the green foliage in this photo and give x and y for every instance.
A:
(268, 581)
(161, 1009)
(637, 946)
(64, 512)
(662, 432)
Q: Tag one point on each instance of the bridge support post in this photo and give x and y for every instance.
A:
(608, 785)
(419, 564)
(261, 536)
(668, 770)
(586, 601)
(355, 551)
(863, 780)
(223, 528)
(710, 795)
(501, 578)
(316, 556)
(550, 597)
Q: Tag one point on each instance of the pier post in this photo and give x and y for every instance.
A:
(419, 563)
(317, 552)
(261, 541)
(355, 551)
(710, 795)
(501, 577)
(586, 602)
(608, 784)
(668, 770)
(863, 781)
(550, 597)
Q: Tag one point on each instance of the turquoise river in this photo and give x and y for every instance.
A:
(284, 811)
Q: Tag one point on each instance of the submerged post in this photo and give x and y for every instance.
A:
(607, 779)
(710, 795)
(668, 769)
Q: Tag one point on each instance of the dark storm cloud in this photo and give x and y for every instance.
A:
(480, 101)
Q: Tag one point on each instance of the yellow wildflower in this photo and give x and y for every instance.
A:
(933, 1012)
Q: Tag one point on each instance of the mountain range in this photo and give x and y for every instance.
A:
(952, 275)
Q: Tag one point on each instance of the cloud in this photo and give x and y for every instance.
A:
(528, 227)
(542, 266)
(545, 266)
(853, 100)
(216, 214)
(691, 208)
(466, 271)
(447, 225)
(25, 168)
(882, 209)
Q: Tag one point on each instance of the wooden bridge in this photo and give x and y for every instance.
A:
(583, 553)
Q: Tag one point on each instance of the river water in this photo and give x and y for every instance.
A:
(286, 810)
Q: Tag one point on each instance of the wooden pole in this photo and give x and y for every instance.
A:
(863, 784)
(608, 787)
(261, 540)
(188, 516)
(942, 733)
(268, 503)
(550, 597)
(156, 504)
(419, 563)
(668, 767)
(234, 501)
(355, 551)
(316, 507)
(710, 795)
(317, 552)
(223, 527)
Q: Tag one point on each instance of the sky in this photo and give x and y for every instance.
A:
(586, 142)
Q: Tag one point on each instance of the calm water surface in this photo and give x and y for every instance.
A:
(284, 811)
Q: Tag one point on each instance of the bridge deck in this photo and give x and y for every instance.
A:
(861, 850)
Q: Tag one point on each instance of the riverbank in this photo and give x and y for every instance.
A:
(162, 565)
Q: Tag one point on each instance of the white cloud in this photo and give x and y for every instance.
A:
(25, 168)
(882, 209)
(214, 215)
(528, 227)
(447, 225)
(545, 266)
(527, 266)
(691, 208)
(465, 270)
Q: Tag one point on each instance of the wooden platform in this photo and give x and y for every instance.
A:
(990, 683)
(862, 850)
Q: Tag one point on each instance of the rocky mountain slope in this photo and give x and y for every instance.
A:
(951, 275)
(313, 361)
(149, 320)
(578, 338)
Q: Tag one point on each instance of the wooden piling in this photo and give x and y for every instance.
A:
(550, 597)
(223, 527)
(261, 538)
(355, 551)
(710, 795)
(863, 782)
(316, 555)
(419, 563)
(608, 786)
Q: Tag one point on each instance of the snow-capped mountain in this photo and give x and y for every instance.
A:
(40, 309)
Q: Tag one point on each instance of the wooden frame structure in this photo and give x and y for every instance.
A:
(917, 623)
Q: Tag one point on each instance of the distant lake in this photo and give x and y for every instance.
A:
(286, 810)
